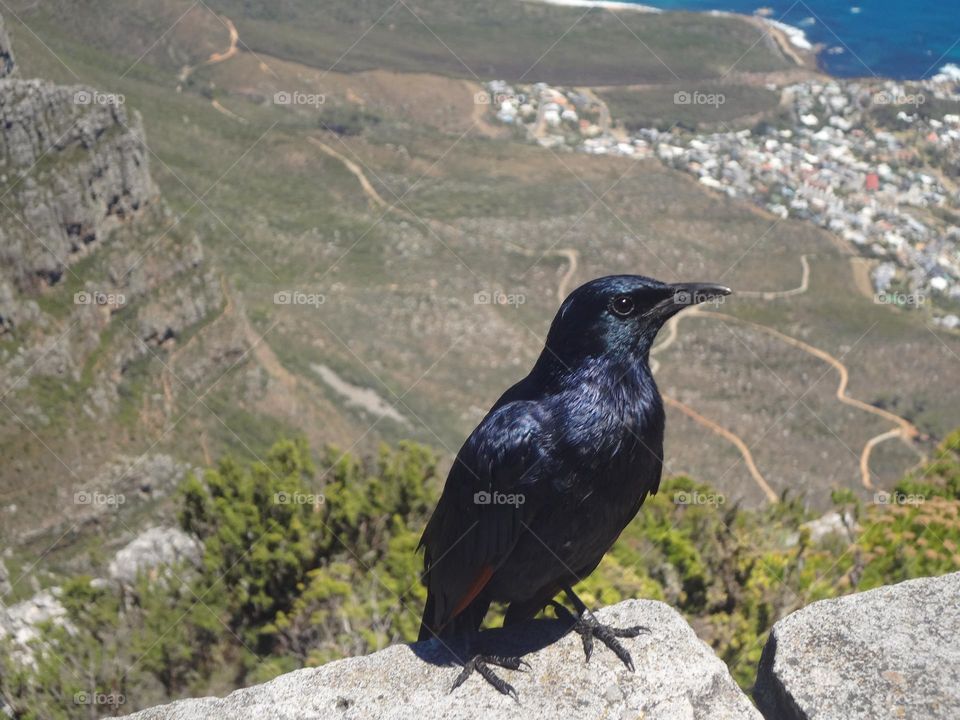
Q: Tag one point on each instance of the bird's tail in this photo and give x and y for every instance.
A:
(467, 620)
(426, 631)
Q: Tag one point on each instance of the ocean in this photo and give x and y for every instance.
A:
(901, 39)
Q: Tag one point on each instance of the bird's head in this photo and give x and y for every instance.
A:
(619, 316)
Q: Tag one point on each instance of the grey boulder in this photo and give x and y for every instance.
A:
(893, 652)
(154, 549)
(677, 677)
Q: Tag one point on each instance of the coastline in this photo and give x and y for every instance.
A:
(791, 40)
(605, 4)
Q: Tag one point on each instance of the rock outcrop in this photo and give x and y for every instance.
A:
(74, 161)
(893, 652)
(75, 181)
(21, 622)
(151, 550)
(677, 677)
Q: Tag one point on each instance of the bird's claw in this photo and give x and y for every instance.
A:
(588, 628)
(481, 664)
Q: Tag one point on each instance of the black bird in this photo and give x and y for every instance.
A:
(545, 484)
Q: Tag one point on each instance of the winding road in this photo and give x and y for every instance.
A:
(905, 430)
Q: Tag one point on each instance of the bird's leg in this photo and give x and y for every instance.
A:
(588, 628)
(481, 665)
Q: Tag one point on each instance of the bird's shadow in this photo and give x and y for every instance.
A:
(514, 641)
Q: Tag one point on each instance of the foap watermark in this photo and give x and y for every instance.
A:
(897, 498)
(887, 97)
(93, 97)
(95, 297)
(98, 698)
(299, 98)
(498, 498)
(695, 97)
(498, 297)
(915, 299)
(686, 297)
(695, 497)
(90, 497)
(296, 297)
(485, 98)
(298, 498)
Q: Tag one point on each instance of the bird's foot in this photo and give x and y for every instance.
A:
(481, 664)
(588, 628)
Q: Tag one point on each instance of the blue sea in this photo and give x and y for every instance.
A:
(902, 39)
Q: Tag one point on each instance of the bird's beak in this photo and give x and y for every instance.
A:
(684, 295)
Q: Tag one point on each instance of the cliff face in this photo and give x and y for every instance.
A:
(74, 163)
(96, 274)
(75, 185)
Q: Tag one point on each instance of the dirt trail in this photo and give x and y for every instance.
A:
(569, 254)
(369, 190)
(804, 58)
(671, 336)
(905, 429)
(217, 57)
(261, 351)
(668, 340)
(771, 295)
(860, 267)
(733, 438)
(268, 360)
(376, 198)
(868, 448)
(230, 51)
(228, 112)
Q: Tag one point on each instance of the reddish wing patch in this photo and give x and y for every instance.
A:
(486, 572)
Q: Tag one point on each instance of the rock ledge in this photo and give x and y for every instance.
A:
(893, 652)
(677, 677)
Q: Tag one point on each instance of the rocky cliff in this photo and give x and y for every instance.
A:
(74, 182)
(96, 273)
(74, 162)
(890, 652)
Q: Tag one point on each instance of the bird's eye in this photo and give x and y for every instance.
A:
(622, 305)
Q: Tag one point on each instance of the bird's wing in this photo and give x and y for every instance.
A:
(482, 511)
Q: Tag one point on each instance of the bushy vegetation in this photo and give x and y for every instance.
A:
(301, 567)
